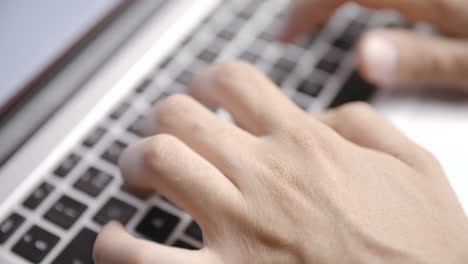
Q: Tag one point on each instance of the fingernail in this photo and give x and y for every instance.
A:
(380, 58)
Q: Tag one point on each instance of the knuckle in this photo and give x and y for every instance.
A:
(157, 150)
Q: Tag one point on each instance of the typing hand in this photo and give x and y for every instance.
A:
(390, 57)
(342, 187)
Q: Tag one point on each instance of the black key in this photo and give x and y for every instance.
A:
(349, 36)
(285, 65)
(115, 209)
(226, 34)
(79, 250)
(67, 165)
(157, 225)
(267, 35)
(183, 244)
(231, 30)
(278, 76)
(207, 56)
(249, 10)
(93, 182)
(344, 42)
(65, 212)
(328, 65)
(94, 137)
(194, 231)
(143, 85)
(137, 126)
(9, 226)
(354, 89)
(249, 56)
(39, 195)
(310, 88)
(112, 154)
(184, 77)
(35, 244)
(120, 110)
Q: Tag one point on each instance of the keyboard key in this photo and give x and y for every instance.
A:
(344, 42)
(9, 226)
(138, 126)
(143, 85)
(93, 138)
(231, 30)
(207, 56)
(120, 110)
(226, 34)
(184, 77)
(112, 154)
(157, 225)
(285, 65)
(310, 88)
(65, 212)
(278, 76)
(194, 231)
(39, 195)
(328, 65)
(35, 244)
(267, 35)
(115, 209)
(249, 56)
(79, 250)
(67, 165)
(248, 11)
(354, 89)
(183, 244)
(93, 182)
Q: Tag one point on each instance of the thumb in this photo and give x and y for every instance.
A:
(396, 57)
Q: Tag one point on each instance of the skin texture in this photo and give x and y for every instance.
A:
(419, 60)
(344, 186)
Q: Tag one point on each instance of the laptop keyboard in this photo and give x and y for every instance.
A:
(59, 221)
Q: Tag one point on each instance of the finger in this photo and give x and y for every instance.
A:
(166, 165)
(395, 57)
(435, 12)
(255, 103)
(305, 16)
(221, 143)
(115, 246)
(360, 124)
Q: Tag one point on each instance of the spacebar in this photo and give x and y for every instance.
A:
(354, 89)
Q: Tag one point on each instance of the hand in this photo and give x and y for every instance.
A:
(287, 188)
(390, 57)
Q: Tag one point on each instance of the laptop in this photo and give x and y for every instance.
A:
(80, 75)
